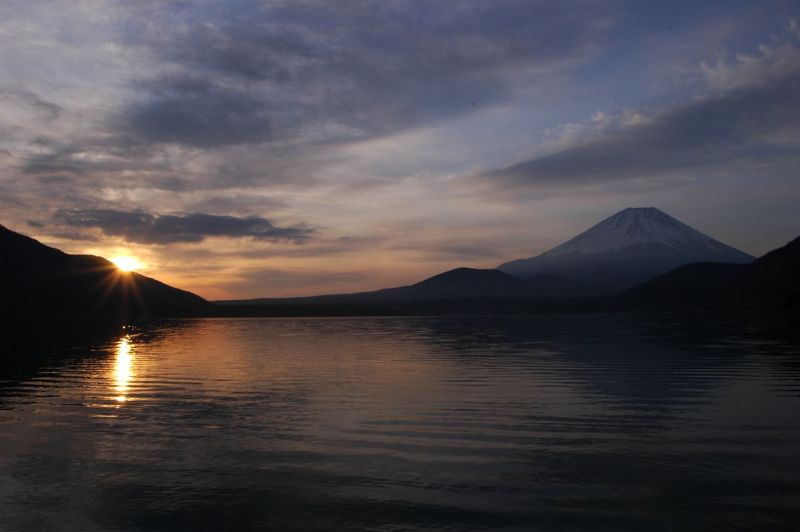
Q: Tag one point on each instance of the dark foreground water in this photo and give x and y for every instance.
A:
(513, 423)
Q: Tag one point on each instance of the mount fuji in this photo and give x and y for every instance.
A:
(623, 250)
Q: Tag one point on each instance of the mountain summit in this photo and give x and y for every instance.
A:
(625, 249)
(647, 225)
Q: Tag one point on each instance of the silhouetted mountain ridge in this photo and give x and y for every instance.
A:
(771, 281)
(38, 280)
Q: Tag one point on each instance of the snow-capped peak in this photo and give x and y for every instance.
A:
(637, 226)
(625, 249)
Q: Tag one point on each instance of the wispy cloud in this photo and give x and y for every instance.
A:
(750, 113)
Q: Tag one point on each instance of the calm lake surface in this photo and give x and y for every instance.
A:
(460, 423)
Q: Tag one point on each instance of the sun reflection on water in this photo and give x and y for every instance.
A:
(123, 369)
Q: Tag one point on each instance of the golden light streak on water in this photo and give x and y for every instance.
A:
(123, 369)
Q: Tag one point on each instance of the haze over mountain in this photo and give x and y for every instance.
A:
(453, 284)
(37, 280)
(623, 250)
(457, 291)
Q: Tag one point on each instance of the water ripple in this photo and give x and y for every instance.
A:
(485, 423)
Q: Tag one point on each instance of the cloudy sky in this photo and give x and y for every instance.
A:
(243, 148)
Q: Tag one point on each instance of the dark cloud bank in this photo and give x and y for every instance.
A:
(145, 228)
(244, 71)
(197, 113)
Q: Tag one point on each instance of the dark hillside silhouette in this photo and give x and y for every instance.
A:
(772, 281)
(37, 280)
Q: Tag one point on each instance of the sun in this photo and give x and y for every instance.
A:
(126, 263)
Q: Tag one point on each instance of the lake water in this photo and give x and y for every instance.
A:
(461, 423)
